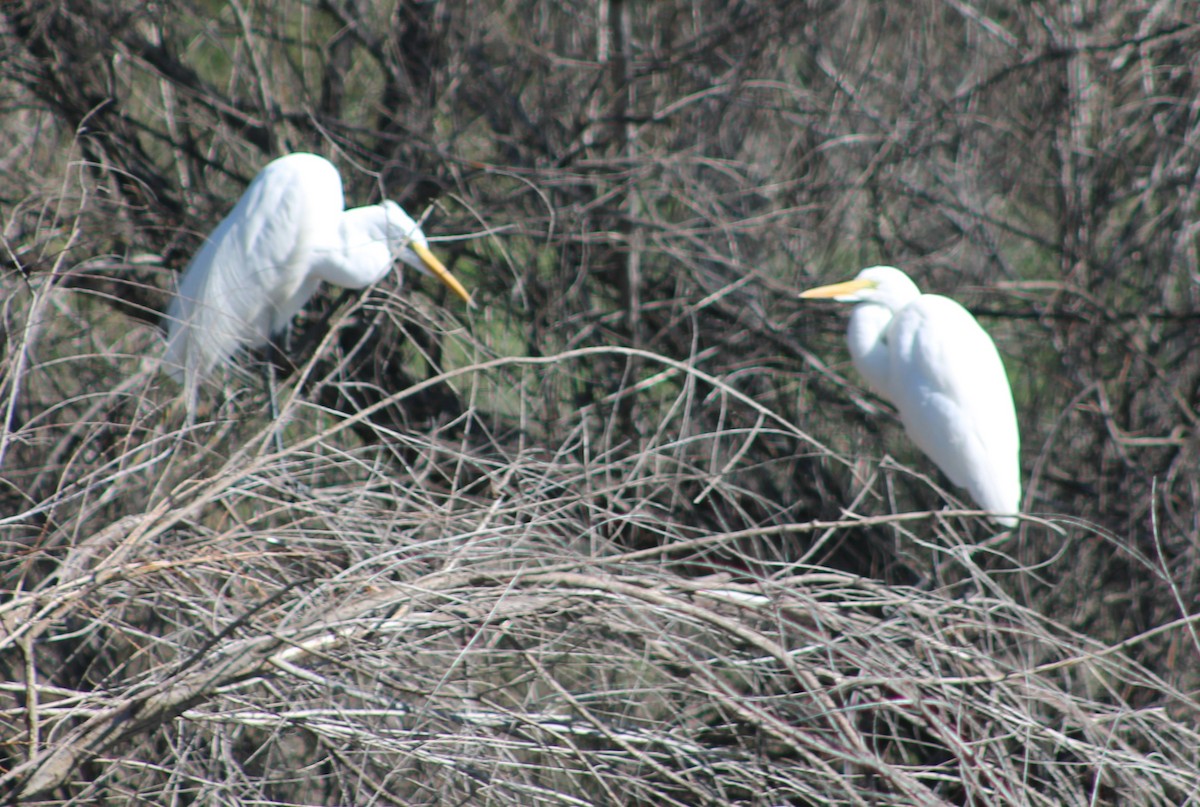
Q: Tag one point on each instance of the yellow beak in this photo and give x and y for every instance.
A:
(441, 272)
(837, 289)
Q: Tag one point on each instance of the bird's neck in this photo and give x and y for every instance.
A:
(867, 337)
(359, 254)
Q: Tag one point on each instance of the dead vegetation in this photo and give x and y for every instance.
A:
(630, 532)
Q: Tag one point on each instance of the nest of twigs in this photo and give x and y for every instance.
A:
(507, 609)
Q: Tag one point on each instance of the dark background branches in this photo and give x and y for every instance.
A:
(494, 538)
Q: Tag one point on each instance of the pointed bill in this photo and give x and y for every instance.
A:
(441, 272)
(836, 290)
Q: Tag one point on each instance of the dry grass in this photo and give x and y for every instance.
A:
(506, 609)
(562, 549)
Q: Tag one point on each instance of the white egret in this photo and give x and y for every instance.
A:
(928, 356)
(288, 232)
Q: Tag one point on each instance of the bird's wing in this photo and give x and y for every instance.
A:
(954, 397)
(234, 292)
(256, 266)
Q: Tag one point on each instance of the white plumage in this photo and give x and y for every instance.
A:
(288, 232)
(928, 356)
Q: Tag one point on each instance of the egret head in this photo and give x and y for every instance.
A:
(883, 285)
(408, 244)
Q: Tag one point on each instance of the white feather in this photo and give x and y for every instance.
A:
(288, 232)
(931, 358)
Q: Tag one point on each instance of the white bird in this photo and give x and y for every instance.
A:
(928, 356)
(288, 232)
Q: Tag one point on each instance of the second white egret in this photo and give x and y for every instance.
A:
(928, 356)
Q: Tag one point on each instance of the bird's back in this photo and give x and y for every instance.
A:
(251, 274)
(955, 400)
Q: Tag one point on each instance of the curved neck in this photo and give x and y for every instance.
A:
(359, 253)
(867, 336)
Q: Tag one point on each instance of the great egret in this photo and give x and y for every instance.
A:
(288, 232)
(928, 356)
